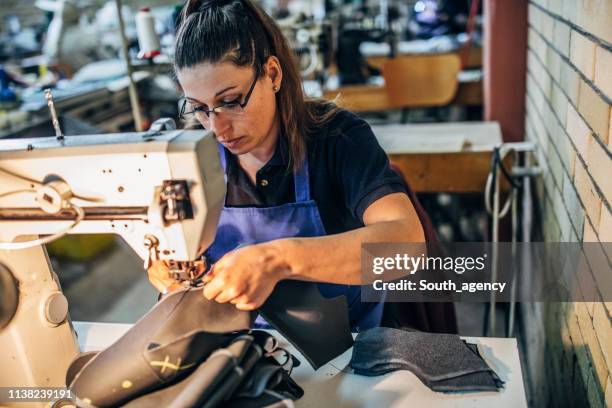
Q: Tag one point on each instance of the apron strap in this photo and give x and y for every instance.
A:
(301, 179)
(222, 160)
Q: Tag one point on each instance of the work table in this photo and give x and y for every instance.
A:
(333, 385)
(452, 157)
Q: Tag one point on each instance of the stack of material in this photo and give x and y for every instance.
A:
(245, 373)
(187, 351)
(443, 362)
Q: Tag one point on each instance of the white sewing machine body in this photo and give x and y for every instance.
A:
(162, 192)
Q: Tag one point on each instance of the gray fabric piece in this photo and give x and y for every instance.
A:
(480, 381)
(443, 362)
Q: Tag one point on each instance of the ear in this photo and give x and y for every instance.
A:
(274, 71)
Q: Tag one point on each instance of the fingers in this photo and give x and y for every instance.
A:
(222, 288)
(215, 282)
(222, 291)
(247, 307)
(213, 288)
(209, 275)
(228, 294)
(245, 303)
(239, 280)
(250, 301)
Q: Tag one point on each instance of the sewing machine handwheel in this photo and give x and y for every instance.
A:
(9, 296)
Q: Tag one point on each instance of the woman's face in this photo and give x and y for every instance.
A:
(207, 86)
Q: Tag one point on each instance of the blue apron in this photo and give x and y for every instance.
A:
(252, 225)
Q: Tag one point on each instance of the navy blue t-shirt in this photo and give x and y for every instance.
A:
(348, 172)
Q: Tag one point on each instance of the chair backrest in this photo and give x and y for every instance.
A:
(421, 80)
(360, 98)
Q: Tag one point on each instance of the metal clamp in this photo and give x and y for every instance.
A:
(160, 125)
(186, 273)
(175, 202)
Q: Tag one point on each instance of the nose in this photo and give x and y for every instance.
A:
(219, 125)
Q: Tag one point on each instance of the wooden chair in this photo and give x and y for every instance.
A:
(359, 98)
(473, 58)
(411, 81)
(420, 81)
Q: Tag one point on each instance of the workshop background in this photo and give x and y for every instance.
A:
(541, 69)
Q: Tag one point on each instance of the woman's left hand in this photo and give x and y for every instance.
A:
(245, 276)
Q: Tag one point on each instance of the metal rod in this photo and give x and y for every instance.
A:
(91, 213)
(494, 239)
(54, 119)
(133, 91)
(512, 305)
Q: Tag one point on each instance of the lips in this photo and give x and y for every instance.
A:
(232, 143)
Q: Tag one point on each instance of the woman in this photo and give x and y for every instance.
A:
(307, 182)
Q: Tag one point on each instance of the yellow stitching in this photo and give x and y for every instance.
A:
(168, 364)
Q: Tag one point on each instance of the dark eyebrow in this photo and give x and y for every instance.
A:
(225, 90)
(216, 95)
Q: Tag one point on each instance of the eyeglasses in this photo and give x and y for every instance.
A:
(229, 108)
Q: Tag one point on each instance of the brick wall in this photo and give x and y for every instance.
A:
(568, 347)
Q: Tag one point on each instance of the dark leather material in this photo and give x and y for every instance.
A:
(210, 382)
(219, 380)
(318, 327)
(78, 363)
(267, 385)
(167, 343)
(183, 329)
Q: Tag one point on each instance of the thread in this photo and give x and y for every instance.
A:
(148, 41)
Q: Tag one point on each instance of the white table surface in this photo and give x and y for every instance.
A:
(334, 386)
(448, 137)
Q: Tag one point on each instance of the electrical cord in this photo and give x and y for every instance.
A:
(15, 192)
(37, 184)
(80, 215)
(20, 177)
(492, 195)
(497, 161)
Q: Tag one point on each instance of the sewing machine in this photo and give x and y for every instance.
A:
(162, 192)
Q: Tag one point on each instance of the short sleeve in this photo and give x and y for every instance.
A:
(362, 166)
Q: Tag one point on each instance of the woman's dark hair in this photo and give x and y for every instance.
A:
(240, 32)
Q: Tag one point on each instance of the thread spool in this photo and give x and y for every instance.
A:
(148, 41)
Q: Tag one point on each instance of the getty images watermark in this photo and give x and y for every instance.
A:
(411, 264)
(474, 272)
